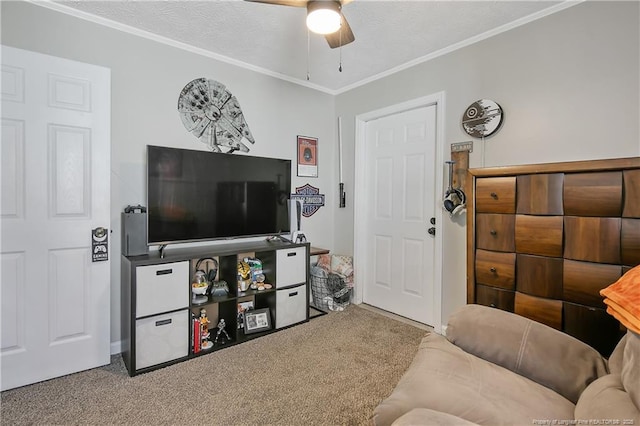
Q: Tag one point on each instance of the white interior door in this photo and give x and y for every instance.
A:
(55, 190)
(400, 170)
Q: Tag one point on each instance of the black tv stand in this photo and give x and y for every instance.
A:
(161, 250)
(159, 311)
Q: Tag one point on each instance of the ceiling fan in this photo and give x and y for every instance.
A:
(323, 17)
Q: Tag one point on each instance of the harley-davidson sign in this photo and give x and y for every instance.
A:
(310, 197)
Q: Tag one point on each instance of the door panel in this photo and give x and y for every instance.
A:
(12, 169)
(413, 268)
(382, 256)
(13, 303)
(70, 171)
(383, 188)
(68, 298)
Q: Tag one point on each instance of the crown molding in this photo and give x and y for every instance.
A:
(464, 43)
(49, 4)
(173, 43)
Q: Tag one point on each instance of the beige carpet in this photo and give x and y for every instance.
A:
(332, 370)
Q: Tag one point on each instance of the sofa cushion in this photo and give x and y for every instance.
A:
(631, 368)
(614, 363)
(605, 398)
(540, 353)
(443, 377)
(425, 416)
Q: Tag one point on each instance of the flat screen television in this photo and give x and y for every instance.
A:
(200, 195)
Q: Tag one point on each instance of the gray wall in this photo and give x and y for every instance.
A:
(569, 86)
(147, 78)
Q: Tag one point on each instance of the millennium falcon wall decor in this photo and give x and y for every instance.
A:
(209, 111)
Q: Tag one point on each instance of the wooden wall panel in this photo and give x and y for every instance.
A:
(582, 281)
(540, 194)
(593, 326)
(495, 297)
(460, 169)
(496, 269)
(546, 311)
(539, 276)
(495, 232)
(575, 230)
(631, 181)
(630, 242)
(496, 195)
(592, 239)
(593, 194)
(541, 235)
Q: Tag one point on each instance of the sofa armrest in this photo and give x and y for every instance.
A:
(531, 349)
(426, 416)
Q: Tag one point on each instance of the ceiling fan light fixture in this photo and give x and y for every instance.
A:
(323, 17)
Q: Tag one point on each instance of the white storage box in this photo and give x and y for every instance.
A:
(162, 288)
(162, 338)
(291, 305)
(291, 267)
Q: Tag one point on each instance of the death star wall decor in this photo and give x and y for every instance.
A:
(212, 114)
(482, 118)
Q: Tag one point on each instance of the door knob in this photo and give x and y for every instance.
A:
(432, 231)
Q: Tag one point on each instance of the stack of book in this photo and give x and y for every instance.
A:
(196, 338)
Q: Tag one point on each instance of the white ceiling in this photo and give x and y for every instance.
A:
(390, 35)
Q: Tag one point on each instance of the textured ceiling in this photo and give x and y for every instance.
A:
(389, 34)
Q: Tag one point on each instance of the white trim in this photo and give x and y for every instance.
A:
(116, 347)
(464, 43)
(359, 206)
(360, 200)
(173, 43)
(206, 53)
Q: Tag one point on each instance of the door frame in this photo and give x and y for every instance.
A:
(360, 196)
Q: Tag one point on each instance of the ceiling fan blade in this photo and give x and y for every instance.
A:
(295, 3)
(342, 36)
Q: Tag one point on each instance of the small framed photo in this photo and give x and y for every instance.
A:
(243, 307)
(307, 156)
(257, 320)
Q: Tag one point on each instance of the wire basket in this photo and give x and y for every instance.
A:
(329, 291)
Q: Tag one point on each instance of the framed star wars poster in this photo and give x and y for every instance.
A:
(307, 156)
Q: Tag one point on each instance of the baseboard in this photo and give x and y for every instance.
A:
(394, 316)
(116, 347)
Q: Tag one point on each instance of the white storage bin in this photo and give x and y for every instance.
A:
(162, 338)
(291, 305)
(291, 266)
(162, 288)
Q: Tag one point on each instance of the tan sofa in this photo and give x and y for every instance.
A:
(498, 368)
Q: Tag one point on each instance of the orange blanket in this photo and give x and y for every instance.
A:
(623, 316)
(623, 299)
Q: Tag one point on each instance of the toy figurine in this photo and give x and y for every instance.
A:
(244, 276)
(221, 329)
(204, 323)
(204, 330)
